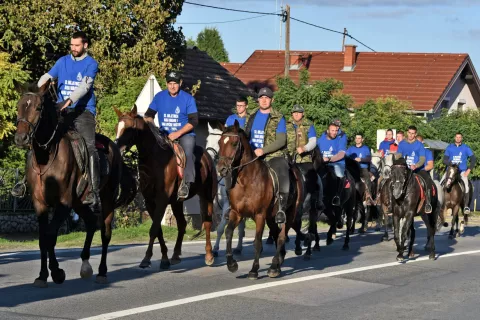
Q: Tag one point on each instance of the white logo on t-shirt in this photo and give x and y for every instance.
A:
(79, 77)
(177, 110)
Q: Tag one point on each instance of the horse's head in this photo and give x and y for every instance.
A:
(231, 149)
(451, 175)
(317, 159)
(29, 112)
(400, 175)
(213, 138)
(127, 128)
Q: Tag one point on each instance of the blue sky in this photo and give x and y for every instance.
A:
(449, 26)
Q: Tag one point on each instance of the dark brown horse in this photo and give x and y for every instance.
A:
(408, 203)
(454, 200)
(159, 181)
(53, 176)
(252, 195)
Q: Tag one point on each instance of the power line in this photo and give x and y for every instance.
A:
(236, 10)
(217, 22)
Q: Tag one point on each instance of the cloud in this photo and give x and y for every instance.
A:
(392, 14)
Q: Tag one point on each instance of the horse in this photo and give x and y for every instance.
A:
(360, 215)
(409, 192)
(454, 200)
(335, 214)
(253, 195)
(160, 178)
(221, 200)
(57, 180)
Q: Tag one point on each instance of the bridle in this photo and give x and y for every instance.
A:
(451, 178)
(407, 180)
(238, 151)
(130, 143)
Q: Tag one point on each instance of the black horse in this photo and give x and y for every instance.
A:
(408, 202)
(336, 214)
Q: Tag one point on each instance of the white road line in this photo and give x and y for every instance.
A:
(223, 293)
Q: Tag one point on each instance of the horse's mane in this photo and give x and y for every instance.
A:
(353, 167)
(400, 162)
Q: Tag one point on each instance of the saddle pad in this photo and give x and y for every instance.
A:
(181, 158)
(276, 185)
(347, 184)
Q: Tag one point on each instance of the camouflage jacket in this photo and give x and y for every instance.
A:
(298, 137)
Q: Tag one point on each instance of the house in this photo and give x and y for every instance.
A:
(431, 82)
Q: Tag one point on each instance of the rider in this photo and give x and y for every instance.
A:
(267, 132)
(178, 117)
(386, 144)
(400, 136)
(428, 166)
(241, 113)
(361, 154)
(301, 139)
(76, 73)
(414, 153)
(458, 153)
(333, 148)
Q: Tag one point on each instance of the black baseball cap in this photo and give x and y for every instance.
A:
(173, 76)
(265, 92)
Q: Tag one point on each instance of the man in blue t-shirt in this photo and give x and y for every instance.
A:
(361, 154)
(266, 129)
(333, 149)
(75, 75)
(240, 115)
(178, 116)
(386, 144)
(428, 166)
(459, 153)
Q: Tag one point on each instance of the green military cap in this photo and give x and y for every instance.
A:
(298, 108)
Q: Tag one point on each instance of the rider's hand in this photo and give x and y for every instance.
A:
(326, 159)
(300, 150)
(466, 173)
(148, 119)
(68, 102)
(358, 159)
(413, 167)
(259, 152)
(173, 136)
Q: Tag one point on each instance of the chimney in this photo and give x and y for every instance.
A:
(296, 61)
(349, 57)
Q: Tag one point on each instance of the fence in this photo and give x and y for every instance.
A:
(8, 203)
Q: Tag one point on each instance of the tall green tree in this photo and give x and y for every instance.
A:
(191, 42)
(128, 38)
(210, 41)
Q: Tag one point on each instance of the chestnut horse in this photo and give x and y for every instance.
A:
(159, 181)
(252, 195)
(53, 175)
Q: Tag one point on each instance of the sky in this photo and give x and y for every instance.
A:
(446, 26)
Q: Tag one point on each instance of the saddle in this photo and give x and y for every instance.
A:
(80, 152)
(422, 184)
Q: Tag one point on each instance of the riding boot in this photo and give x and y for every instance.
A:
(281, 217)
(428, 206)
(319, 203)
(20, 188)
(93, 198)
(183, 190)
(336, 200)
(466, 197)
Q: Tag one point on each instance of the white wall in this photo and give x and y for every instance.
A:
(460, 90)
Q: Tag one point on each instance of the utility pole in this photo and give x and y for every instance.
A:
(286, 19)
(344, 35)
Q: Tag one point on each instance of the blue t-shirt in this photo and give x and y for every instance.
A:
(341, 135)
(173, 112)
(385, 146)
(257, 136)
(231, 121)
(459, 155)
(69, 74)
(329, 148)
(411, 151)
(356, 152)
(428, 157)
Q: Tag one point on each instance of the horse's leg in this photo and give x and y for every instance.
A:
(429, 220)
(41, 281)
(108, 213)
(241, 235)
(330, 233)
(404, 229)
(362, 213)
(350, 221)
(90, 220)
(274, 270)
(384, 214)
(177, 209)
(462, 224)
(234, 220)
(61, 212)
(411, 254)
(396, 237)
(454, 220)
(206, 210)
(259, 226)
(312, 222)
(220, 230)
(316, 247)
(146, 262)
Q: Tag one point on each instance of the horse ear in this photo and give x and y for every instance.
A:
(236, 125)
(133, 113)
(210, 129)
(118, 112)
(222, 126)
(44, 88)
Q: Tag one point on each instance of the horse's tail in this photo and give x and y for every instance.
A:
(128, 186)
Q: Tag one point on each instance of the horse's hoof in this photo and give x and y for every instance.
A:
(450, 236)
(253, 275)
(101, 279)
(361, 231)
(165, 265)
(334, 236)
(329, 242)
(58, 276)
(384, 238)
(274, 273)
(233, 267)
(345, 247)
(378, 229)
(175, 260)
(145, 264)
(298, 252)
(432, 256)
(316, 247)
(411, 255)
(38, 283)
(400, 257)
(210, 261)
(307, 257)
(269, 240)
(86, 270)
(215, 254)
(237, 251)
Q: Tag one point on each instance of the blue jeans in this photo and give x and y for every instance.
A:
(339, 169)
(188, 144)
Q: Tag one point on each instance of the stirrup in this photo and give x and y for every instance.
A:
(336, 201)
(183, 191)
(466, 210)
(428, 208)
(19, 190)
(280, 217)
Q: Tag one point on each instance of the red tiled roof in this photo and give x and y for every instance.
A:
(420, 78)
(231, 67)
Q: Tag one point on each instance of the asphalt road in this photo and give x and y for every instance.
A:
(363, 283)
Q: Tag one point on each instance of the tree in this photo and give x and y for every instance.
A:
(128, 38)
(467, 123)
(323, 101)
(191, 42)
(210, 41)
(384, 113)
